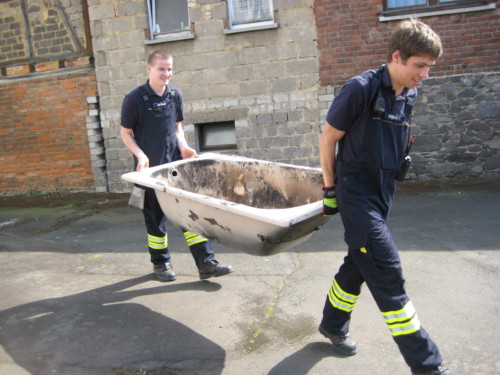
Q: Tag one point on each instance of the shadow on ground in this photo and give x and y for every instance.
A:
(101, 330)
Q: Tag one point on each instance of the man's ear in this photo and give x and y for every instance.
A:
(396, 57)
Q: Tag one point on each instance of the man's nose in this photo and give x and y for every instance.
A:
(424, 72)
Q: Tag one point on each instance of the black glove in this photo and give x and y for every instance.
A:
(329, 202)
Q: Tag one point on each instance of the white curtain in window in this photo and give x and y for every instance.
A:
(246, 11)
(169, 15)
(404, 3)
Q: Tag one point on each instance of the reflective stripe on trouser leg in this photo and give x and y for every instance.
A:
(402, 322)
(156, 228)
(200, 247)
(344, 292)
(340, 299)
(157, 243)
(381, 269)
(193, 239)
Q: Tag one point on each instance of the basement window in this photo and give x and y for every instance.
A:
(217, 136)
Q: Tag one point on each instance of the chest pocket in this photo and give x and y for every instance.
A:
(385, 143)
(388, 131)
(158, 118)
(158, 139)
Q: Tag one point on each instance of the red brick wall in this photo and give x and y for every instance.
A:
(351, 39)
(43, 135)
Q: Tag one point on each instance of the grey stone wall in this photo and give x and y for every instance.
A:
(456, 124)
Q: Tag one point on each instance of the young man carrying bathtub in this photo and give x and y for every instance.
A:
(152, 116)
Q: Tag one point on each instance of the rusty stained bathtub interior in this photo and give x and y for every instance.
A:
(276, 186)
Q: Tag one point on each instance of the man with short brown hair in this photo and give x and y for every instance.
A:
(369, 120)
(152, 116)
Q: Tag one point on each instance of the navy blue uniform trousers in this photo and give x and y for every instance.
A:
(373, 258)
(156, 226)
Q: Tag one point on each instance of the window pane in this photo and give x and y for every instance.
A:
(404, 3)
(247, 11)
(171, 15)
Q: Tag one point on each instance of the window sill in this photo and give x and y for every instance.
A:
(174, 37)
(422, 14)
(244, 29)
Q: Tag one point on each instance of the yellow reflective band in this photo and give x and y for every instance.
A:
(363, 250)
(405, 328)
(406, 313)
(341, 299)
(157, 243)
(403, 321)
(193, 239)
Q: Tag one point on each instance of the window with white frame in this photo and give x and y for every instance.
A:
(167, 16)
(248, 13)
(406, 6)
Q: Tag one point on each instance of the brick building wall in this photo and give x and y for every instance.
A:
(352, 39)
(43, 145)
(457, 117)
(50, 136)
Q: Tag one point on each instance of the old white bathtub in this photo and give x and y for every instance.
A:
(255, 206)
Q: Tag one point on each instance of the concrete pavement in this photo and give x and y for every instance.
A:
(78, 297)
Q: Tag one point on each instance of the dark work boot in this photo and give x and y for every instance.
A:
(440, 370)
(342, 343)
(164, 272)
(214, 269)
